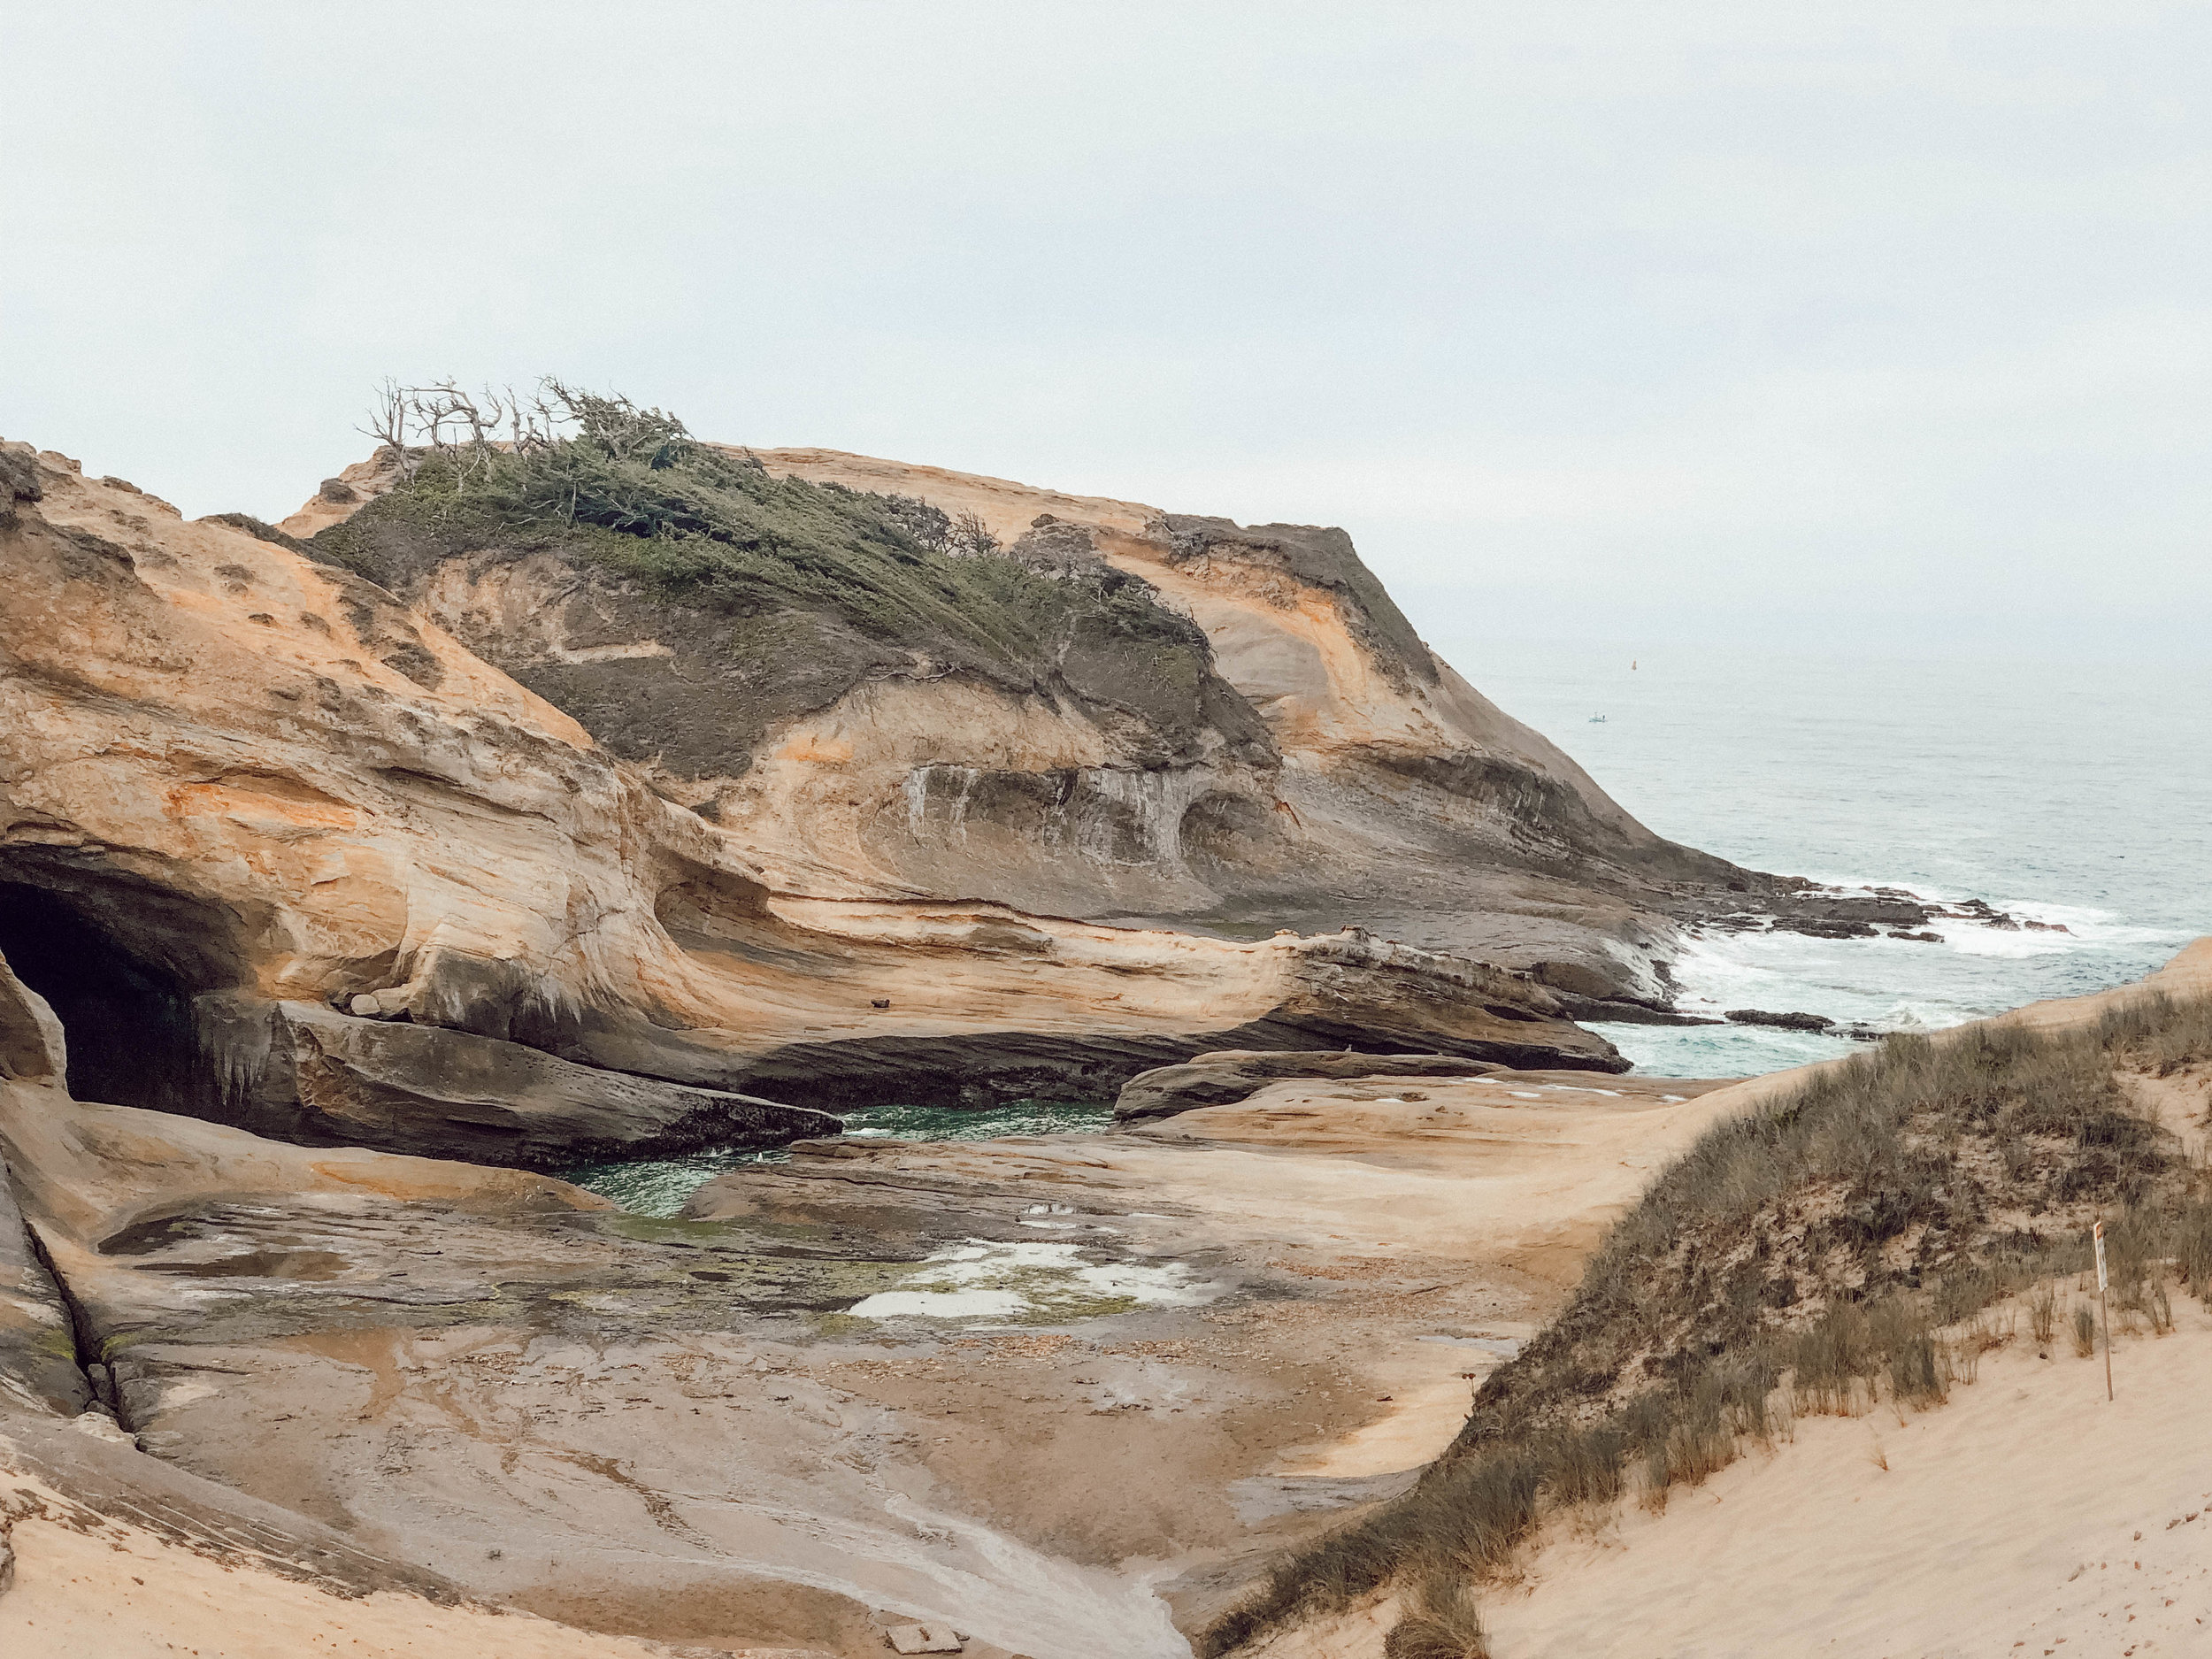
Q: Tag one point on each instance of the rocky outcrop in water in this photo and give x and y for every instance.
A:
(1780, 1021)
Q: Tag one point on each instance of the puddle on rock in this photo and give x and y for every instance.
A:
(972, 1282)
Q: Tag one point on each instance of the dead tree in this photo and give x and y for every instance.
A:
(969, 537)
(461, 428)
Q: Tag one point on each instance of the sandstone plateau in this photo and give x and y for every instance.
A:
(1102, 1379)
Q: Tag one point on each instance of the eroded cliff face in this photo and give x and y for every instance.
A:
(1273, 745)
(1392, 767)
(254, 808)
(847, 767)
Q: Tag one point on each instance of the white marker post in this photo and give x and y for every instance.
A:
(2103, 1311)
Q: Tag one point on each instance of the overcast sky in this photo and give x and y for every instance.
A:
(1869, 326)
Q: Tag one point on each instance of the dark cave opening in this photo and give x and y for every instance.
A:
(123, 994)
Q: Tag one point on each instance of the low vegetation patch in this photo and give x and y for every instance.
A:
(791, 571)
(1867, 1236)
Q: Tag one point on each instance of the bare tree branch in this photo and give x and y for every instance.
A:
(970, 535)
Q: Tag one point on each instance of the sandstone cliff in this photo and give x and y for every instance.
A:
(1397, 791)
(519, 838)
(254, 808)
(1138, 715)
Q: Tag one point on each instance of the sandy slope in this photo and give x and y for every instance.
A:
(2026, 1517)
(118, 1592)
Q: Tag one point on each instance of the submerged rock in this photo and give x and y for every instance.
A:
(1779, 1021)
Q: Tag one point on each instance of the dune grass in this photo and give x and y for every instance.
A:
(2160, 1035)
(1867, 1236)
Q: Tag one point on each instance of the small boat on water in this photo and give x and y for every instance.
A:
(1597, 720)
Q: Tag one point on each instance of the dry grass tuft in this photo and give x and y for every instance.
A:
(2160, 1035)
(2084, 1331)
(1860, 1239)
(1585, 1464)
(2043, 1314)
(1442, 1623)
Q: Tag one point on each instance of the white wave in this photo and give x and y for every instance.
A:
(1719, 1050)
(1971, 940)
(2095, 929)
(1911, 1018)
(1857, 884)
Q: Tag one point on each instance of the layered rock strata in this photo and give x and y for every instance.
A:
(1257, 738)
(284, 854)
(320, 1078)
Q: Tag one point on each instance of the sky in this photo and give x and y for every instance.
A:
(1863, 327)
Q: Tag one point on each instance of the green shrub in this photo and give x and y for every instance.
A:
(630, 492)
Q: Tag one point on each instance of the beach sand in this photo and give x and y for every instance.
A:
(92, 1588)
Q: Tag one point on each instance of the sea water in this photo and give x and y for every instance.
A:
(2066, 792)
(658, 1187)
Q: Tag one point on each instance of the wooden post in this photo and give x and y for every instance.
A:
(2104, 1311)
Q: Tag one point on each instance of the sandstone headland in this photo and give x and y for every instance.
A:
(359, 875)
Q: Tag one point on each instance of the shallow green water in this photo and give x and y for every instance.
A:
(1016, 1118)
(658, 1187)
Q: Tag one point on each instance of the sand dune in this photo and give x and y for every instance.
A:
(2026, 1517)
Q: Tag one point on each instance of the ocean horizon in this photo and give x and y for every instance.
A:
(2073, 793)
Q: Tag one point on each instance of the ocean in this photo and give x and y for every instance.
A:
(2067, 792)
